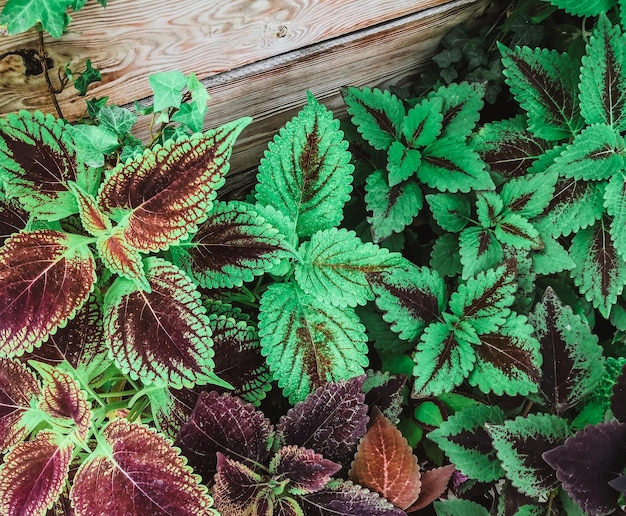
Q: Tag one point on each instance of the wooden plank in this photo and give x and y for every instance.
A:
(132, 38)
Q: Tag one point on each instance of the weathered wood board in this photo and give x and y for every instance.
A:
(257, 57)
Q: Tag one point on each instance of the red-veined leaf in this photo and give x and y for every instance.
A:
(136, 471)
(45, 276)
(94, 221)
(120, 257)
(384, 462)
(306, 470)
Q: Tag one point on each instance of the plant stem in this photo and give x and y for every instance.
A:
(44, 65)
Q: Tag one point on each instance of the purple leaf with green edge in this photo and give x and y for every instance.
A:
(45, 277)
(520, 444)
(378, 115)
(343, 498)
(137, 471)
(603, 77)
(515, 231)
(306, 172)
(618, 397)
(385, 391)
(572, 359)
(335, 265)
(308, 342)
(171, 408)
(422, 124)
(512, 502)
(393, 208)
(508, 148)
(226, 424)
(600, 273)
(461, 105)
(240, 491)
(62, 399)
(238, 359)
(450, 166)
(544, 83)
(479, 250)
(402, 163)
(94, 221)
(614, 202)
(163, 195)
(33, 474)
(410, 297)
(434, 484)
(593, 155)
(18, 387)
(231, 247)
(330, 421)
(464, 440)
(13, 218)
(37, 160)
(599, 450)
(575, 205)
(306, 470)
(162, 336)
(442, 360)
(451, 211)
(120, 257)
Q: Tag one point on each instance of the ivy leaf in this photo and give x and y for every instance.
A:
(330, 421)
(593, 155)
(422, 124)
(308, 342)
(572, 358)
(306, 172)
(163, 194)
(37, 160)
(21, 16)
(167, 88)
(520, 444)
(384, 462)
(337, 261)
(463, 438)
(410, 298)
(598, 449)
(224, 423)
(139, 470)
(18, 386)
(378, 115)
(192, 113)
(306, 470)
(393, 207)
(93, 143)
(451, 211)
(461, 107)
(33, 474)
(600, 272)
(529, 195)
(117, 119)
(231, 247)
(544, 83)
(479, 250)
(45, 277)
(162, 336)
(13, 218)
(343, 498)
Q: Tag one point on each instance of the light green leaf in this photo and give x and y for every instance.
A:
(192, 113)
(445, 256)
(93, 142)
(117, 119)
(488, 206)
(615, 204)
(459, 507)
(530, 194)
(515, 231)
(402, 163)
(21, 15)
(422, 123)
(462, 103)
(307, 342)
(167, 88)
(552, 258)
(479, 250)
(451, 211)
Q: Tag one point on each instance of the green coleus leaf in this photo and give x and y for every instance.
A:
(450, 166)
(393, 208)
(515, 231)
(37, 160)
(587, 8)
(544, 83)
(18, 387)
(445, 256)
(402, 163)
(45, 277)
(529, 195)
(603, 77)
(410, 298)
(232, 246)
(162, 336)
(615, 204)
(309, 342)
(461, 105)
(459, 507)
(378, 115)
(34, 473)
(451, 211)
(161, 196)
(306, 172)
(141, 472)
(600, 272)
(489, 205)
(520, 444)
(422, 124)
(552, 258)
(334, 267)
(572, 358)
(594, 154)
(21, 16)
(464, 440)
(479, 250)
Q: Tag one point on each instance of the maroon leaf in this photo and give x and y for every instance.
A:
(33, 475)
(224, 423)
(329, 421)
(587, 462)
(13, 218)
(138, 472)
(18, 386)
(434, 484)
(45, 277)
(306, 470)
(385, 392)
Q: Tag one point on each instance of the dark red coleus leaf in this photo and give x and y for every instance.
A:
(224, 423)
(13, 218)
(330, 421)
(587, 462)
(306, 470)
(434, 484)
